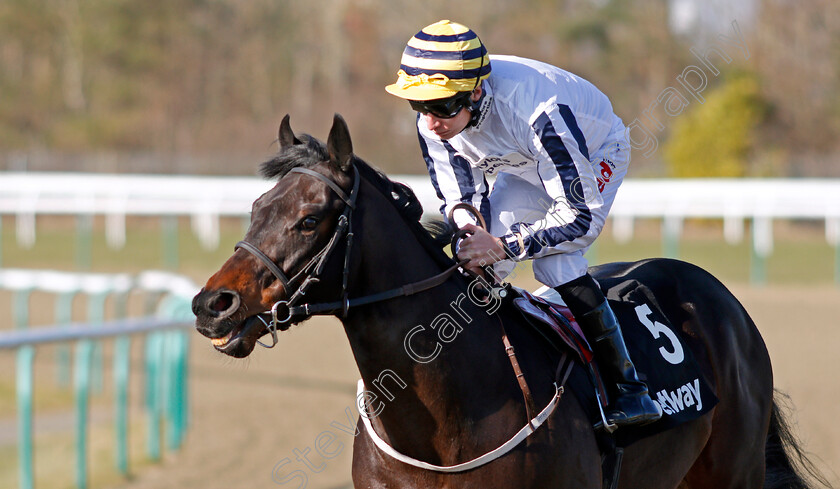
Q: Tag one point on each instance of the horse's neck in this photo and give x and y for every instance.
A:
(430, 361)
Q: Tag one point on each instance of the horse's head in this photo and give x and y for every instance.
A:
(294, 228)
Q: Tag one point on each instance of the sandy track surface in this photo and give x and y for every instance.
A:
(257, 421)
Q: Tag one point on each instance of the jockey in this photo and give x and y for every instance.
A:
(558, 154)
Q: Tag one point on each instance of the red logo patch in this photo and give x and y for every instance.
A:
(606, 175)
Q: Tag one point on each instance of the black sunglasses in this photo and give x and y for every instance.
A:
(446, 108)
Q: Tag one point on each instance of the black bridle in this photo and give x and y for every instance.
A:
(311, 272)
(313, 269)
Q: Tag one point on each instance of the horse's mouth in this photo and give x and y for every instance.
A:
(242, 338)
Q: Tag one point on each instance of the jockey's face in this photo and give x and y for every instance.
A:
(447, 128)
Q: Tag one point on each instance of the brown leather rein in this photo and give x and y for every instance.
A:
(530, 409)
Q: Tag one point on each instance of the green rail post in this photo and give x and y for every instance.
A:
(121, 305)
(154, 344)
(63, 315)
(832, 233)
(170, 242)
(184, 371)
(24, 385)
(96, 315)
(175, 380)
(150, 303)
(170, 388)
(84, 241)
(671, 229)
(24, 366)
(167, 387)
(122, 365)
(176, 402)
(20, 307)
(762, 246)
(837, 264)
(592, 253)
(758, 268)
(81, 382)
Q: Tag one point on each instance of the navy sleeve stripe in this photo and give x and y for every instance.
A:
(563, 162)
(571, 123)
(572, 187)
(466, 182)
(430, 165)
(484, 208)
(463, 173)
(463, 177)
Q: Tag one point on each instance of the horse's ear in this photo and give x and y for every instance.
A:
(285, 135)
(339, 144)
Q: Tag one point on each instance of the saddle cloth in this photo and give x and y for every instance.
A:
(659, 351)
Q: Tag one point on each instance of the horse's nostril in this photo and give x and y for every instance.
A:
(224, 303)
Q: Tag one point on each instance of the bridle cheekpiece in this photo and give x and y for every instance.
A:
(313, 269)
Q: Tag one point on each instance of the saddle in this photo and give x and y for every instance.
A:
(546, 310)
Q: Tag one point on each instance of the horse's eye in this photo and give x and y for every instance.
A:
(309, 223)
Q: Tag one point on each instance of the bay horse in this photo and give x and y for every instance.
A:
(335, 236)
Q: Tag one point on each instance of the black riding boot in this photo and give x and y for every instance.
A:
(632, 404)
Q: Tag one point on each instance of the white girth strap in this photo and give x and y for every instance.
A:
(488, 457)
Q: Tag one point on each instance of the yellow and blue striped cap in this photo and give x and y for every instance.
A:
(439, 61)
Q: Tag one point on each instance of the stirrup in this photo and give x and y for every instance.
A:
(604, 424)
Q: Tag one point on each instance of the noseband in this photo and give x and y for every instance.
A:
(315, 266)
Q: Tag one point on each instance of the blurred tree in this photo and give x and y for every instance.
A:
(27, 74)
(714, 139)
(797, 54)
(210, 79)
(73, 66)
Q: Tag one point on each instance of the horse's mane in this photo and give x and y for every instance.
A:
(307, 154)
(312, 151)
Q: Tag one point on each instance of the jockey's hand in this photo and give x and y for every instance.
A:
(481, 248)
